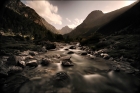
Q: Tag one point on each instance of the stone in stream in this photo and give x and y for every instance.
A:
(32, 53)
(61, 79)
(67, 63)
(72, 47)
(70, 52)
(21, 64)
(84, 53)
(13, 60)
(14, 70)
(32, 63)
(45, 62)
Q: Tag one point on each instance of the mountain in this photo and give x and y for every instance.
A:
(65, 30)
(96, 20)
(20, 8)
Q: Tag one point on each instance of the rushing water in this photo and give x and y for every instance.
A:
(87, 75)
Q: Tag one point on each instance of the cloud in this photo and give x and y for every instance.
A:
(75, 23)
(68, 20)
(46, 10)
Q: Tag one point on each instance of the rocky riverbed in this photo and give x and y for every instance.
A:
(68, 68)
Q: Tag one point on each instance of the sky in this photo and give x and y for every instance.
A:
(60, 13)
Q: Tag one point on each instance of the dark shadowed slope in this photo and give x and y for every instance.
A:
(96, 20)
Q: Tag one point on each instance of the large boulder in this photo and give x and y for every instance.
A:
(14, 70)
(84, 53)
(32, 63)
(45, 62)
(61, 79)
(21, 64)
(67, 63)
(72, 47)
(13, 60)
(70, 52)
(32, 53)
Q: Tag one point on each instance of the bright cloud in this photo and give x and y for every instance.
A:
(75, 23)
(68, 19)
(46, 10)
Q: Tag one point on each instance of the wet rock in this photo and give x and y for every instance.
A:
(66, 49)
(104, 55)
(92, 56)
(61, 79)
(14, 70)
(72, 47)
(21, 64)
(67, 63)
(70, 52)
(32, 63)
(43, 49)
(13, 60)
(45, 62)
(84, 53)
(58, 55)
(32, 53)
(14, 83)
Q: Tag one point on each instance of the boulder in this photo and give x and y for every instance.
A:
(13, 60)
(92, 56)
(14, 70)
(45, 62)
(67, 63)
(61, 79)
(72, 47)
(58, 55)
(21, 64)
(84, 53)
(70, 52)
(32, 53)
(32, 63)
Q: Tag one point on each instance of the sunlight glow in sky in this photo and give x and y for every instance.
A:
(72, 13)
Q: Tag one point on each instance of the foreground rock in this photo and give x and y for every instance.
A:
(61, 79)
(72, 47)
(14, 70)
(13, 60)
(13, 84)
(67, 63)
(32, 63)
(45, 62)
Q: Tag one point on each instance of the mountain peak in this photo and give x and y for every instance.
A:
(93, 16)
(65, 30)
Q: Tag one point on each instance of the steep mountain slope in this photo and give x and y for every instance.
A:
(65, 30)
(95, 20)
(22, 9)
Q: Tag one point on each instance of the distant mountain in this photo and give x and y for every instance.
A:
(65, 30)
(22, 9)
(97, 19)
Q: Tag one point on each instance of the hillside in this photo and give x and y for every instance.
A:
(95, 20)
(20, 8)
